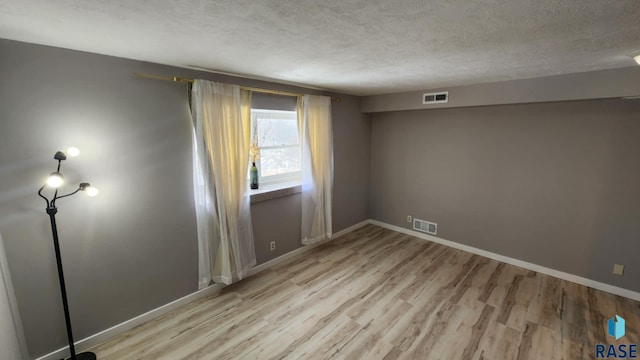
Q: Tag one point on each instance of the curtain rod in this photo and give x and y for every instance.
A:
(248, 88)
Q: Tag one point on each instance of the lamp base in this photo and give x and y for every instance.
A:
(85, 356)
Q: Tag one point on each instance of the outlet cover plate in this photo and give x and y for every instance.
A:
(618, 269)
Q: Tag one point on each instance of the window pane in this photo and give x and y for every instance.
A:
(275, 129)
(276, 134)
(279, 161)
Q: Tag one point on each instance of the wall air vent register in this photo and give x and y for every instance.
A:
(435, 98)
(425, 226)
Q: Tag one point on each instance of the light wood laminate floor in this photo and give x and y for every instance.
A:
(379, 294)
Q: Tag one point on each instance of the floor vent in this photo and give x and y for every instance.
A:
(425, 226)
(436, 98)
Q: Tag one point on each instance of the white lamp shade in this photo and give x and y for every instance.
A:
(91, 191)
(73, 151)
(55, 180)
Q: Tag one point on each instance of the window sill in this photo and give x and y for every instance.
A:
(269, 192)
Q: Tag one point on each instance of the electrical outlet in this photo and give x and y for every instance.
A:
(272, 245)
(408, 218)
(618, 269)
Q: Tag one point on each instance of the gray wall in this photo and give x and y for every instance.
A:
(600, 84)
(133, 248)
(279, 219)
(351, 163)
(554, 184)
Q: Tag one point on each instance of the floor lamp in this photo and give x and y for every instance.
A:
(54, 181)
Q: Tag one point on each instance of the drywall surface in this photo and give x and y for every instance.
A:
(600, 84)
(553, 184)
(133, 248)
(279, 219)
(126, 251)
(351, 162)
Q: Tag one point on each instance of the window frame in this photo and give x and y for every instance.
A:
(284, 178)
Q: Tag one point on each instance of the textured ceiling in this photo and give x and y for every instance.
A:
(360, 47)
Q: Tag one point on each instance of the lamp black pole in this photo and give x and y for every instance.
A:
(52, 210)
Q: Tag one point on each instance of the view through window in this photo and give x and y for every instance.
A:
(276, 135)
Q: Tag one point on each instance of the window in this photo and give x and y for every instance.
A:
(276, 134)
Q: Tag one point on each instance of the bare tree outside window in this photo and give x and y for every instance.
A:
(276, 145)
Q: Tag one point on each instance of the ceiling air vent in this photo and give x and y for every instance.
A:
(436, 98)
(425, 226)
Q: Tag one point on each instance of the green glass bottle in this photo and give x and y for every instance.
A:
(253, 176)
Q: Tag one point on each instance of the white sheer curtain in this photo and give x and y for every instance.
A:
(222, 130)
(314, 124)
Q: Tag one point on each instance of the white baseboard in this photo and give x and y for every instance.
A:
(93, 340)
(523, 264)
(302, 249)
